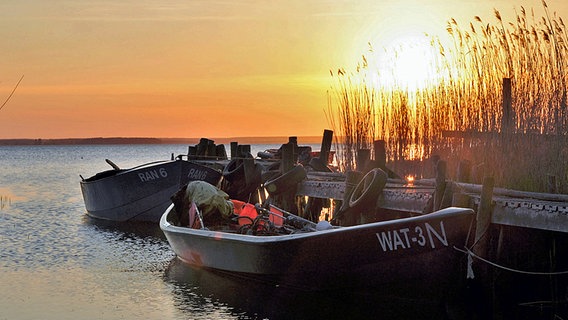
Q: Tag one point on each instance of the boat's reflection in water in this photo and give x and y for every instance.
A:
(135, 230)
(212, 294)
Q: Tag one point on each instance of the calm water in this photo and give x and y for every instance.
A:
(56, 263)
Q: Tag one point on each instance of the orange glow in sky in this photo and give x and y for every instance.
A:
(180, 68)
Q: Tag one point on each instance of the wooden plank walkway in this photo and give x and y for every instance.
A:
(509, 207)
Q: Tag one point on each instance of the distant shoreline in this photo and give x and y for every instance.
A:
(120, 140)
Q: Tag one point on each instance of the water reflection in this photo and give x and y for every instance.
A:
(4, 202)
(127, 246)
(139, 229)
(211, 293)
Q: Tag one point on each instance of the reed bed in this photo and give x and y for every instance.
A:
(4, 202)
(521, 148)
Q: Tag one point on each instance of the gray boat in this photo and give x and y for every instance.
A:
(418, 251)
(141, 193)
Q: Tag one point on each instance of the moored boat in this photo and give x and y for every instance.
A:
(141, 193)
(416, 251)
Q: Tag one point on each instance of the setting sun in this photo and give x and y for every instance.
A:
(407, 63)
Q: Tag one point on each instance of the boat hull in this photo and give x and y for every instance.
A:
(141, 193)
(412, 250)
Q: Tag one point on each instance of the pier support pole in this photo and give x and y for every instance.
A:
(464, 171)
(286, 200)
(345, 217)
(440, 184)
(481, 247)
(362, 161)
(380, 154)
(314, 206)
(483, 222)
(326, 145)
(252, 179)
(234, 149)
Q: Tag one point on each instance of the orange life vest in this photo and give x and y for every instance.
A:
(244, 209)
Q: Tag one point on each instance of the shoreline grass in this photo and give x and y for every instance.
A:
(465, 94)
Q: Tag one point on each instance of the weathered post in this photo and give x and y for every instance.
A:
(380, 154)
(234, 149)
(287, 157)
(286, 199)
(484, 216)
(320, 163)
(202, 147)
(294, 142)
(243, 151)
(460, 200)
(191, 152)
(220, 152)
(347, 218)
(440, 184)
(326, 145)
(448, 195)
(252, 179)
(435, 158)
(481, 245)
(211, 151)
(250, 168)
(464, 171)
(314, 205)
(380, 159)
(551, 183)
(363, 158)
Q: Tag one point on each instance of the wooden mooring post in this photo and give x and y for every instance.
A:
(314, 205)
(440, 184)
(286, 200)
(352, 178)
(481, 247)
(363, 159)
(464, 171)
(327, 139)
(234, 151)
(380, 154)
(483, 220)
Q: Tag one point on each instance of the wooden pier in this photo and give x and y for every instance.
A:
(518, 252)
(543, 211)
(522, 239)
(516, 262)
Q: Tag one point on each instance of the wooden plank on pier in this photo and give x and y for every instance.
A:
(550, 216)
(531, 213)
(322, 189)
(412, 200)
(513, 208)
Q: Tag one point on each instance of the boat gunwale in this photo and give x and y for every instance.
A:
(146, 165)
(167, 227)
(120, 172)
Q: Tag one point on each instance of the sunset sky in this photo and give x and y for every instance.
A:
(180, 68)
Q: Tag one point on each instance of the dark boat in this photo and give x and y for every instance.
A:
(141, 193)
(416, 252)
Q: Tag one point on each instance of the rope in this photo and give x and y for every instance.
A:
(471, 254)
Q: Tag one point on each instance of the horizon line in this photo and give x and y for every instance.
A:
(154, 140)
